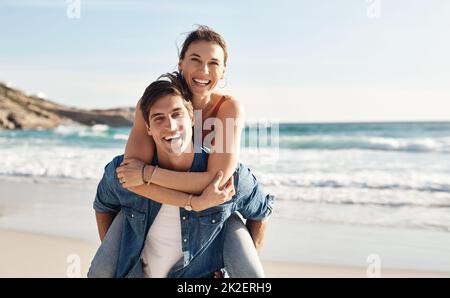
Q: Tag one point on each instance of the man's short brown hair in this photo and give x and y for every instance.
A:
(166, 84)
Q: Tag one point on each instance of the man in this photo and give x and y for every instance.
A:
(159, 240)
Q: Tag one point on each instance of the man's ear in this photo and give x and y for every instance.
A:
(149, 131)
(179, 65)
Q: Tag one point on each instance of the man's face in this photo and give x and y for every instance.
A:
(170, 125)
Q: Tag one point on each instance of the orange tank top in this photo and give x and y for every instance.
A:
(205, 132)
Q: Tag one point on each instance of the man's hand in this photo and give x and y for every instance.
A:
(130, 172)
(212, 195)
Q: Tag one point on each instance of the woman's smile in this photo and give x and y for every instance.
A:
(201, 82)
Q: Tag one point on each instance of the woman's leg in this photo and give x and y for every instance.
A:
(105, 260)
(239, 253)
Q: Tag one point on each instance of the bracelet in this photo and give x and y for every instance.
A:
(142, 173)
(153, 174)
(188, 206)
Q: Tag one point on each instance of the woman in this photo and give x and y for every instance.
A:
(202, 62)
(203, 59)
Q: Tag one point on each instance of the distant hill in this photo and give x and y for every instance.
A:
(21, 111)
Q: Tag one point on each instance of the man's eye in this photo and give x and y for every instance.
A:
(178, 114)
(158, 119)
(215, 63)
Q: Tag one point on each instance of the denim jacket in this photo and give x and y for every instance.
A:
(202, 232)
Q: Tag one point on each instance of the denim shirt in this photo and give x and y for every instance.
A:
(202, 232)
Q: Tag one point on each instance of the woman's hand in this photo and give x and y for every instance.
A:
(130, 172)
(212, 195)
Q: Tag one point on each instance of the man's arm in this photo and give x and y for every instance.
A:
(104, 221)
(257, 229)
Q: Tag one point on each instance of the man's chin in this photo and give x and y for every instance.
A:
(176, 149)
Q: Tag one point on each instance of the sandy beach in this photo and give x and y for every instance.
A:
(27, 254)
(47, 229)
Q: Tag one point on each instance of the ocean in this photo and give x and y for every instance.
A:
(382, 174)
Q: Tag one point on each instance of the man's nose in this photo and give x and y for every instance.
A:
(172, 123)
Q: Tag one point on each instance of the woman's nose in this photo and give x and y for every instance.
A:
(205, 68)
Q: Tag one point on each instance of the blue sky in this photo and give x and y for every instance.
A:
(301, 61)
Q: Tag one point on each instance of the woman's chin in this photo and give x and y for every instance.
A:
(200, 93)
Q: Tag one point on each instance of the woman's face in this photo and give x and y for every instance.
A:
(203, 67)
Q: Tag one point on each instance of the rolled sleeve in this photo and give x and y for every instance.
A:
(106, 199)
(251, 201)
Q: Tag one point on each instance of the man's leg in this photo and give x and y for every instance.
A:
(239, 254)
(105, 260)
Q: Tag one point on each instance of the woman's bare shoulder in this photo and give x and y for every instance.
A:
(231, 106)
(227, 97)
